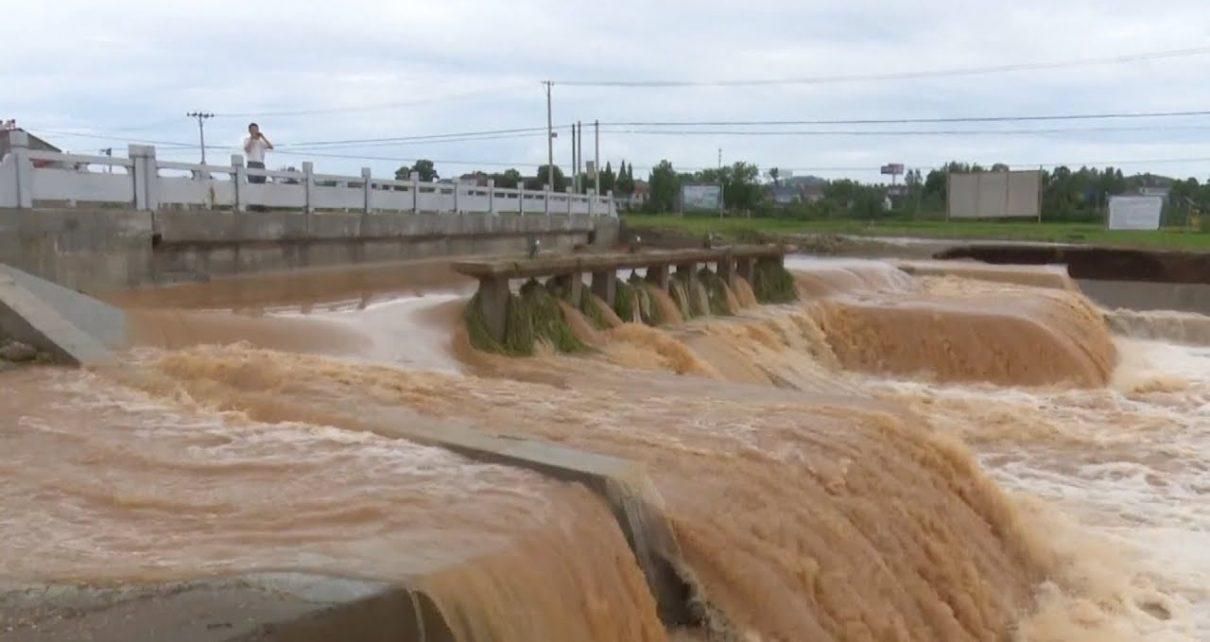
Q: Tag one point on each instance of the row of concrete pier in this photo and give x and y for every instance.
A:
(495, 275)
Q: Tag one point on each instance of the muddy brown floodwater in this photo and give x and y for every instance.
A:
(944, 456)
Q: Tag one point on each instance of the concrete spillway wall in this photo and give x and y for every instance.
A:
(104, 249)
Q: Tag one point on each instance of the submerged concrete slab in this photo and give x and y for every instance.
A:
(72, 327)
(622, 483)
(280, 607)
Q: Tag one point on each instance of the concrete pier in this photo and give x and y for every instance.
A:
(605, 285)
(494, 275)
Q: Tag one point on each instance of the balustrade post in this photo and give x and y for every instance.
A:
(365, 188)
(19, 143)
(239, 180)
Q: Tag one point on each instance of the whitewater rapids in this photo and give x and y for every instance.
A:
(955, 454)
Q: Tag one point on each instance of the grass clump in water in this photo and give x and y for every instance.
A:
(624, 302)
(716, 292)
(560, 287)
(678, 289)
(649, 312)
(773, 283)
(588, 306)
(690, 295)
(533, 315)
(476, 328)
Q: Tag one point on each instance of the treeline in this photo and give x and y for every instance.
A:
(1067, 194)
(740, 182)
(621, 182)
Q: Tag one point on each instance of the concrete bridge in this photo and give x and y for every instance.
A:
(98, 223)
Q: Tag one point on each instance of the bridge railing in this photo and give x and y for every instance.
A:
(33, 178)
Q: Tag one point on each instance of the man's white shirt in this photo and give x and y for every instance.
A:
(255, 149)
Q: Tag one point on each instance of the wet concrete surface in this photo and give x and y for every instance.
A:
(1096, 263)
(282, 607)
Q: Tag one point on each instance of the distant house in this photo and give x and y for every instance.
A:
(35, 143)
(785, 194)
(636, 200)
(477, 179)
(810, 188)
(1161, 192)
(797, 189)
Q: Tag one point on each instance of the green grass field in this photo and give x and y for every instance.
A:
(1083, 233)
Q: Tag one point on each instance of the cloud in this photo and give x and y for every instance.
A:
(134, 68)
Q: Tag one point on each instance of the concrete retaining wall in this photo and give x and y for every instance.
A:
(100, 249)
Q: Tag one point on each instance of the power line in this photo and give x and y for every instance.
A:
(365, 108)
(910, 121)
(423, 137)
(388, 143)
(904, 75)
(124, 139)
(503, 133)
(901, 132)
(410, 160)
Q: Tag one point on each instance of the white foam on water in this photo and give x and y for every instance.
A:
(1131, 464)
(398, 331)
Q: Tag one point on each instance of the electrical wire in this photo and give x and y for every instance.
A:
(471, 135)
(373, 107)
(910, 121)
(903, 75)
(891, 133)
(124, 139)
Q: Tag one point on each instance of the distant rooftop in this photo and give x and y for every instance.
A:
(34, 142)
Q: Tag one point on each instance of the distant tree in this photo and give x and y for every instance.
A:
(608, 180)
(509, 178)
(774, 174)
(740, 182)
(663, 185)
(424, 167)
(539, 182)
(625, 182)
(856, 199)
(999, 167)
(744, 191)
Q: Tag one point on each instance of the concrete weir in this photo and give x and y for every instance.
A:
(71, 327)
(80, 330)
(494, 275)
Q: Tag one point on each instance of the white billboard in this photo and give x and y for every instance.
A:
(995, 195)
(1135, 212)
(701, 198)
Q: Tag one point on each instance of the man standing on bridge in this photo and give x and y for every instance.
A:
(255, 146)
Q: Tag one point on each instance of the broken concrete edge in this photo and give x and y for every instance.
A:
(276, 606)
(50, 318)
(624, 486)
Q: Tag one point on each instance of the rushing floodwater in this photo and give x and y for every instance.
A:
(900, 457)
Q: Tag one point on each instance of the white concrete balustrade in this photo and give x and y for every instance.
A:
(30, 178)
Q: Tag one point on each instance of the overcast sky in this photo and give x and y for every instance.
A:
(132, 69)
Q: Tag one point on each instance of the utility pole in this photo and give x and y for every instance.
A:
(201, 117)
(720, 157)
(575, 176)
(596, 155)
(579, 156)
(550, 140)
